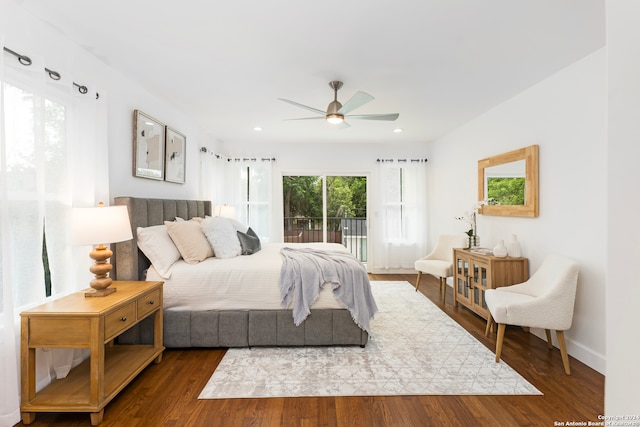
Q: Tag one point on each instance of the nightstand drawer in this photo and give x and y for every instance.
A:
(148, 302)
(119, 320)
(47, 331)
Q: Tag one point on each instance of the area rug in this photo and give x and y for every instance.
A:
(414, 349)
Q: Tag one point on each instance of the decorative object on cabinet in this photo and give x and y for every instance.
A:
(175, 156)
(94, 323)
(474, 273)
(515, 169)
(544, 301)
(438, 261)
(470, 219)
(514, 250)
(97, 226)
(148, 146)
(500, 250)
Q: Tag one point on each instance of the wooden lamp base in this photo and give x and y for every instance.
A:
(101, 268)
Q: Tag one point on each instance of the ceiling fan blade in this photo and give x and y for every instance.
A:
(357, 100)
(388, 117)
(307, 118)
(306, 107)
(343, 125)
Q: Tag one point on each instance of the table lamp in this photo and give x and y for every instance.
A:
(99, 226)
(224, 211)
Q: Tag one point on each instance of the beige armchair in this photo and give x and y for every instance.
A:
(544, 301)
(439, 262)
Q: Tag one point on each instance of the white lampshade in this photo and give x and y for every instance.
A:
(224, 211)
(100, 225)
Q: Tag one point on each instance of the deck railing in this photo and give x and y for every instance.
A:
(350, 232)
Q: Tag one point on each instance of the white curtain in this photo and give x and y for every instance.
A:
(50, 138)
(399, 236)
(244, 184)
(211, 175)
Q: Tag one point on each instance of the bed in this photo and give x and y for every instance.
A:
(220, 323)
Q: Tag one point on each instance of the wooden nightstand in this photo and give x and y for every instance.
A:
(75, 321)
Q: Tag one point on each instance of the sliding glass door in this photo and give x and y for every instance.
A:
(326, 209)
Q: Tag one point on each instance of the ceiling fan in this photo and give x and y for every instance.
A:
(337, 113)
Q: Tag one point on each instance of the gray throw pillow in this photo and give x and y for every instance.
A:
(249, 241)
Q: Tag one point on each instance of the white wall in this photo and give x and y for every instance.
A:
(623, 285)
(566, 116)
(28, 35)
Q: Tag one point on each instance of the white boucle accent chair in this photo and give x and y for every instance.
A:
(439, 262)
(544, 301)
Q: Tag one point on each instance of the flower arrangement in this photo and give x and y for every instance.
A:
(470, 218)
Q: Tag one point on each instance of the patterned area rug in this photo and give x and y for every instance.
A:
(415, 349)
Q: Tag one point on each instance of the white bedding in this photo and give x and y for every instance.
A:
(242, 283)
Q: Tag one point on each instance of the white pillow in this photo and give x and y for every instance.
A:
(237, 225)
(189, 240)
(222, 237)
(156, 244)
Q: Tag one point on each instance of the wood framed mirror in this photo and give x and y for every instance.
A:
(508, 183)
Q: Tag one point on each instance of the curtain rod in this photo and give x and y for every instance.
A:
(54, 75)
(238, 159)
(402, 160)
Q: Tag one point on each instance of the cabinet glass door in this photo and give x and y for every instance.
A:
(480, 282)
(462, 278)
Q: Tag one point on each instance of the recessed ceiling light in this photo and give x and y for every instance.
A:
(397, 130)
(257, 128)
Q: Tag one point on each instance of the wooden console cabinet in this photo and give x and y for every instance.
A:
(474, 273)
(76, 321)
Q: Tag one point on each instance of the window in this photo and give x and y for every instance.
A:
(242, 183)
(34, 171)
(398, 233)
(326, 209)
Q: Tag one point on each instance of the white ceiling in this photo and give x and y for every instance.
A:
(438, 63)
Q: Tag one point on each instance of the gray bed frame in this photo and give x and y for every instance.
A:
(220, 328)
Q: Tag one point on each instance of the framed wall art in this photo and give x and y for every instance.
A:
(175, 156)
(148, 146)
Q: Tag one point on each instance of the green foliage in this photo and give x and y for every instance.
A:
(45, 264)
(506, 191)
(302, 196)
(346, 196)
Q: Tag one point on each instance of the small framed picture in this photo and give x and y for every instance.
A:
(148, 146)
(175, 156)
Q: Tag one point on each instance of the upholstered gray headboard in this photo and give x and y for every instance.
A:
(129, 263)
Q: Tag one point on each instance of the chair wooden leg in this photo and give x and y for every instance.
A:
(549, 342)
(488, 328)
(501, 328)
(418, 281)
(443, 289)
(563, 351)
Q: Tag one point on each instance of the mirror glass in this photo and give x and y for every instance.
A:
(508, 183)
(505, 184)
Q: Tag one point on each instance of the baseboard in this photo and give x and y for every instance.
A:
(394, 271)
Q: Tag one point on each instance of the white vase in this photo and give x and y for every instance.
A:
(500, 250)
(474, 241)
(513, 249)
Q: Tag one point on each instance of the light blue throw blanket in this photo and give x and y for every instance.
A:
(306, 270)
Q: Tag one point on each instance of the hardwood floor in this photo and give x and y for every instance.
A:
(167, 394)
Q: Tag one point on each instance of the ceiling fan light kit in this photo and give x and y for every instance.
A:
(335, 118)
(337, 112)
